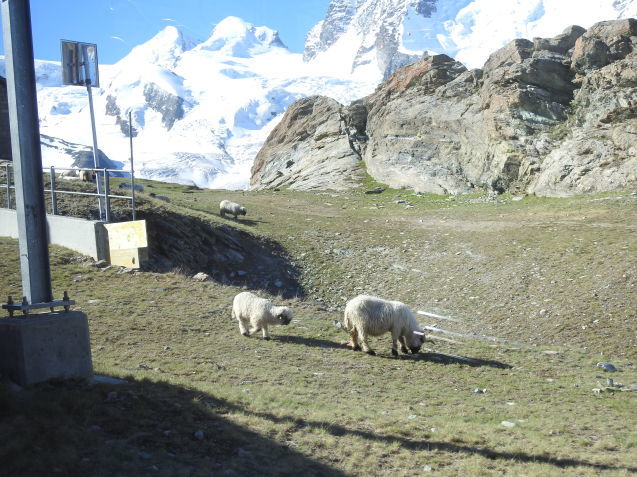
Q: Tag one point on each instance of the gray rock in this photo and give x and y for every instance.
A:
(295, 153)
(607, 367)
(126, 185)
(201, 277)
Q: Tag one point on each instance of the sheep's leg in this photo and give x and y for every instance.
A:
(403, 345)
(394, 341)
(266, 336)
(365, 346)
(243, 328)
(353, 335)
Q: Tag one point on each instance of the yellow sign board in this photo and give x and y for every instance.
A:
(125, 235)
(127, 243)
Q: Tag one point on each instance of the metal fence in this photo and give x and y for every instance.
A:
(104, 199)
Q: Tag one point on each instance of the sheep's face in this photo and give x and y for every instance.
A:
(285, 316)
(242, 210)
(415, 342)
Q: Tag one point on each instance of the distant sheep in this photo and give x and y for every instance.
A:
(228, 207)
(87, 176)
(254, 313)
(70, 174)
(371, 316)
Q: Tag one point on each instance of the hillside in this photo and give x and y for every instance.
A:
(540, 290)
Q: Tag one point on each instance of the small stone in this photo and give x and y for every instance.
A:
(278, 283)
(145, 455)
(101, 264)
(507, 424)
(201, 277)
(427, 468)
(607, 367)
(199, 435)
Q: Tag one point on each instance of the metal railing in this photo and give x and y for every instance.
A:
(106, 196)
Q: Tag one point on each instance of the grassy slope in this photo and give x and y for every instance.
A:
(548, 275)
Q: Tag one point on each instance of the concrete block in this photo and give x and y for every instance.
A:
(45, 346)
(85, 236)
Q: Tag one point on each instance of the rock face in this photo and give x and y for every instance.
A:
(309, 149)
(551, 116)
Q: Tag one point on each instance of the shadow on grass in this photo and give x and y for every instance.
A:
(313, 342)
(138, 428)
(443, 358)
(157, 428)
(229, 255)
(448, 447)
(244, 221)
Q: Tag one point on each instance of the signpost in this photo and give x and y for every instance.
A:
(80, 68)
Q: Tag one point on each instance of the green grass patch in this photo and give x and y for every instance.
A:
(552, 279)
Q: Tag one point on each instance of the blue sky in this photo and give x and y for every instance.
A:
(119, 25)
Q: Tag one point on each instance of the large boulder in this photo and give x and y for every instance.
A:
(309, 149)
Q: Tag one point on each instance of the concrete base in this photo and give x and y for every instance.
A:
(46, 346)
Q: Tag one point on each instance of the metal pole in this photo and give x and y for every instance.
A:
(107, 193)
(8, 186)
(132, 169)
(25, 146)
(54, 203)
(95, 149)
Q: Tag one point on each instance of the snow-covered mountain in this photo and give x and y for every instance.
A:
(202, 109)
(374, 37)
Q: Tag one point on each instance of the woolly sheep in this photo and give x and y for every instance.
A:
(254, 313)
(87, 176)
(371, 316)
(228, 207)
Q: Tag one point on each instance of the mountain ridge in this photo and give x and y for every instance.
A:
(554, 116)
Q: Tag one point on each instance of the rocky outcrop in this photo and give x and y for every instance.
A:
(553, 116)
(309, 149)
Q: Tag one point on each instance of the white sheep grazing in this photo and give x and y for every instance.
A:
(228, 207)
(371, 316)
(254, 313)
(87, 176)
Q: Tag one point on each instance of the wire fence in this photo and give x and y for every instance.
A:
(103, 199)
